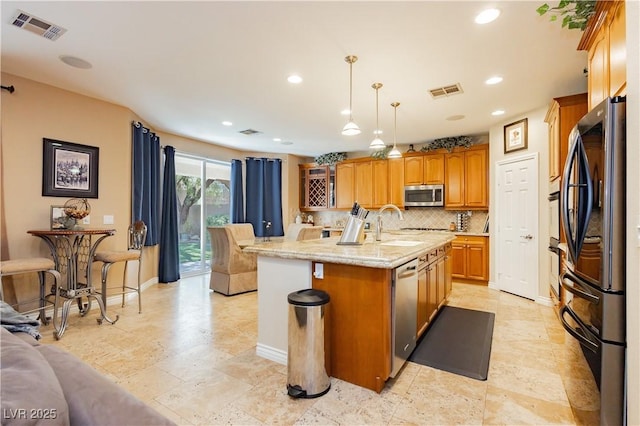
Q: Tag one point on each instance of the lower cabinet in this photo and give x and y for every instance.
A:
(470, 258)
(434, 285)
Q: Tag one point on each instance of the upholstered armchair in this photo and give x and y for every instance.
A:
(232, 271)
(310, 233)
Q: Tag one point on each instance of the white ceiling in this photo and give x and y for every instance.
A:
(184, 67)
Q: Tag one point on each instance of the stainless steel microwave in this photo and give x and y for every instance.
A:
(424, 195)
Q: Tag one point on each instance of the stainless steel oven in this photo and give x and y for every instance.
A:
(554, 241)
(593, 216)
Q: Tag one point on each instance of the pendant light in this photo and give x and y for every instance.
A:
(377, 143)
(394, 153)
(351, 128)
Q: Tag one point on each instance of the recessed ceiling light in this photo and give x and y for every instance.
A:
(286, 143)
(497, 112)
(487, 16)
(277, 140)
(227, 123)
(72, 61)
(294, 79)
(455, 117)
(493, 80)
(345, 111)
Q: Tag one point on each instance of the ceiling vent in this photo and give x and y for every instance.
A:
(249, 132)
(452, 89)
(37, 26)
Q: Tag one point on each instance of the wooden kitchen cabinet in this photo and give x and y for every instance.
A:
(562, 115)
(380, 183)
(345, 189)
(364, 183)
(605, 42)
(316, 187)
(424, 169)
(466, 179)
(470, 258)
(396, 181)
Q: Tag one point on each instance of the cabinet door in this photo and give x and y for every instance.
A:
(554, 142)
(448, 281)
(458, 260)
(423, 315)
(598, 78)
(380, 190)
(345, 185)
(413, 170)
(454, 180)
(477, 260)
(476, 193)
(432, 291)
(364, 183)
(434, 169)
(617, 52)
(396, 181)
(440, 271)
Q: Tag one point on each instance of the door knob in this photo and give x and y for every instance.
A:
(527, 237)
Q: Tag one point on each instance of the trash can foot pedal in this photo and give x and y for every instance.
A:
(297, 392)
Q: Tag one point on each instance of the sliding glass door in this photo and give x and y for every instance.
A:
(203, 200)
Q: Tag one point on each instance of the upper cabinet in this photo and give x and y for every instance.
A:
(345, 188)
(604, 40)
(562, 116)
(424, 169)
(466, 179)
(317, 185)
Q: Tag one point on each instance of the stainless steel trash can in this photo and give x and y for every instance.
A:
(307, 376)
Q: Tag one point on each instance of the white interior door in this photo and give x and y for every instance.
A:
(517, 226)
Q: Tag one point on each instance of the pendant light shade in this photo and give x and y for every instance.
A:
(351, 128)
(377, 143)
(395, 153)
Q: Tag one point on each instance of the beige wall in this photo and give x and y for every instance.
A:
(36, 111)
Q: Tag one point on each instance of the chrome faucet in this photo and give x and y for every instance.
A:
(379, 218)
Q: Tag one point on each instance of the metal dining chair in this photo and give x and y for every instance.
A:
(137, 234)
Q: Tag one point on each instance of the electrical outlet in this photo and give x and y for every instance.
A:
(107, 219)
(86, 220)
(319, 272)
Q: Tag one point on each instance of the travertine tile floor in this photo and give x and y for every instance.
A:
(191, 355)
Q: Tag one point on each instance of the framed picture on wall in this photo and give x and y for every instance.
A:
(69, 169)
(515, 136)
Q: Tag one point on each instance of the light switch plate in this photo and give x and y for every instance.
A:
(107, 219)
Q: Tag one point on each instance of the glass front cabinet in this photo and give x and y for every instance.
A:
(317, 187)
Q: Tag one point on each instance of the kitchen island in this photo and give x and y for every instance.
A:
(360, 327)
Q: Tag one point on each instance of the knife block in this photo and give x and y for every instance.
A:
(353, 233)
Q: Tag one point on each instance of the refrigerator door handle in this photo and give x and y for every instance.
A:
(566, 281)
(581, 336)
(564, 192)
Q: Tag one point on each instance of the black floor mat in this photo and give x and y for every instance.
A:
(458, 341)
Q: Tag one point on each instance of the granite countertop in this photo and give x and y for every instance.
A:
(395, 249)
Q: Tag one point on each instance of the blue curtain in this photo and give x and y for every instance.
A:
(146, 181)
(169, 268)
(237, 200)
(264, 195)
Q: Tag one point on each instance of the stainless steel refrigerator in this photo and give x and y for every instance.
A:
(592, 210)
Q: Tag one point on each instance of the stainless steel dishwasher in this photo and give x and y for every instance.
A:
(404, 320)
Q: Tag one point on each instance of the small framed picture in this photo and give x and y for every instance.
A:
(515, 136)
(69, 169)
(58, 218)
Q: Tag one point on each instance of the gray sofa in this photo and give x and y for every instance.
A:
(45, 385)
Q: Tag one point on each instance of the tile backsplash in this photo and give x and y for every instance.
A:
(431, 217)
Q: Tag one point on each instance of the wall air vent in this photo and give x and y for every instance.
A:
(452, 89)
(37, 26)
(249, 132)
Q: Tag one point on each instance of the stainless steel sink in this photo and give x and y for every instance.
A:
(401, 243)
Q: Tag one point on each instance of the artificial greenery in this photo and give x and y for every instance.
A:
(575, 14)
(330, 159)
(382, 153)
(448, 143)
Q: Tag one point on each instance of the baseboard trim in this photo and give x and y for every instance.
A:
(546, 301)
(270, 353)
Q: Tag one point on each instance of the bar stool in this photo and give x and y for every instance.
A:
(137, 235)
(41, 265)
